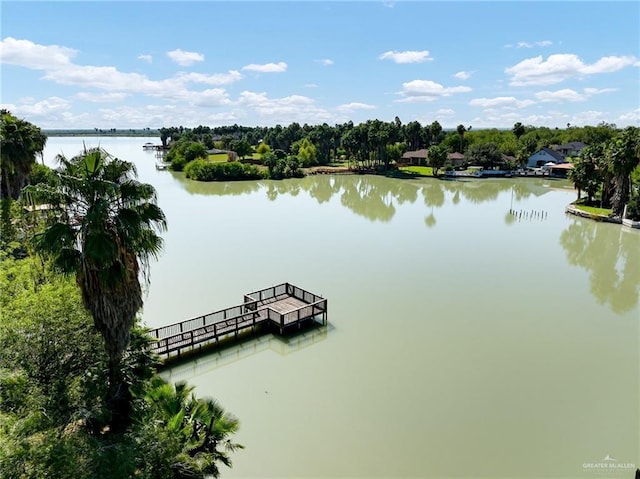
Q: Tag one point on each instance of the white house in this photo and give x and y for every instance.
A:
(545, 156)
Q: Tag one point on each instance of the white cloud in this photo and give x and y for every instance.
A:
(311, 85)
(500, 102)
(101, 97)
(56, 63)
(560, 96)
(567, 94)
(266, 67)
(231, 76)
(389, 4)
(598, 91)
(551, 118)
(115, 85)
(493, 119)
(145, 58)
(325, 62)
(409, 56)
(107, 78)
(609, 64)
(631, 118)
(164, 114)
(541, 43)
(356, 106)
(443, 115)
(284, 110)
(213, 97)
(27, 54)
(427, 90)
(590, 117)
(559, 67)
(47, 106)
(463, 75)
(185, 59)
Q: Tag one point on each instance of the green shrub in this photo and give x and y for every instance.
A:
(202, 170)
(178, 163)
(633, 208)
(42, 174)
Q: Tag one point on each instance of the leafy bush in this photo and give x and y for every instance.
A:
(283, 168)
(202, 170)
(42, 174)
(633, 208)
(51, 383)
(183, 152)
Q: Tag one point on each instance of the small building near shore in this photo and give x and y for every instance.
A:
(416, 158)
(455, 159)
(421, 158)
(560, 170)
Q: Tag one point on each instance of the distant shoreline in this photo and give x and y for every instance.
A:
(130, 133)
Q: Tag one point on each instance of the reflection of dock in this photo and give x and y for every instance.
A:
(239, 350)
(283, 307)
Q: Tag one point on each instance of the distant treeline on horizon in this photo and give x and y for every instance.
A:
(103, 132)
(154, 131)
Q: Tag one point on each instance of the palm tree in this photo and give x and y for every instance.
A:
(20, 142)
(461, 131)
(197, 430)
(518, 130)
(623, 156)
(104, 230)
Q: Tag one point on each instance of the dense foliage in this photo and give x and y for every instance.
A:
(376, 144)
(57, 407)
(102, 227)
(281, 166)
(53, 377)
(202, 170)
(20, 142)
(183, 152)
(607, 171)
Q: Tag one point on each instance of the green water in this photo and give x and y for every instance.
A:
(475, 330)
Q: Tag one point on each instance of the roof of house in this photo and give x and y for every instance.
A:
(572, 145)
(555, 154)
(416, 154)
(508, 157)
(455, 156)
(563, 166)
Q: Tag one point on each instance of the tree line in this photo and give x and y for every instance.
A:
(605, 169)
(609, 173)
(377, 144)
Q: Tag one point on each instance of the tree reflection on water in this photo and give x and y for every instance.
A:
(610, 254)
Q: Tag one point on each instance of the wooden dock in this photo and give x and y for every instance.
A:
(280, 308)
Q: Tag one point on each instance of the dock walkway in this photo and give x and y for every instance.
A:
(280, 307)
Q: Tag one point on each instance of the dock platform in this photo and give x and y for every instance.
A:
(279, 308)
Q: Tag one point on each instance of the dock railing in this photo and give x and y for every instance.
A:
(254, 310)
(205, 320)
(284, 289)
(266, 295)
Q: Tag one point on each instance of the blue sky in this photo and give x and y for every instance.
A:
(486, 64)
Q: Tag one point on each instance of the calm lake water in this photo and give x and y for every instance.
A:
(464, 340)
